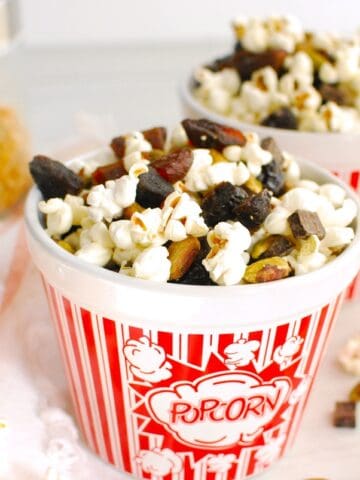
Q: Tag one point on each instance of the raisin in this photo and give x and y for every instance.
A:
(118, 146)
(281, 118)
(272, 177)
(53, 178)
(246, 63)
(197, 273)
(219, 204)
(174, 166)
(108, 172)
(152, 189)
(206, 134)
(332, 93)
(252, 211)
(156, 136)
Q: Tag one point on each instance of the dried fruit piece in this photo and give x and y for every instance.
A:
(334, 93)
(66, 246)
(281, 118)
(272, 246)
(129, 211)
(304, 223)
(272, 177)
(345, 415)
(53, 178)
(246, 63)
(271, 146)
(182, 255)
(218, 205)
(253, 185)
(267, 270)
(156, 136)
(108, 172)
(253, 210)
(118, 146)
(206, 134)
(174, 166)
(152, 189)
(355, 394)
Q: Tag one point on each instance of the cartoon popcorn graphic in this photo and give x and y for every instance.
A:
(284, 354)
(241, 353)
(159, 462)
(147, 360)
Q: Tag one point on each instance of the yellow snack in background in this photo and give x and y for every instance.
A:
(14, 158)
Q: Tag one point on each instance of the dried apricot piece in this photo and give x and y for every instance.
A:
(108, 172)
(129, 211)
(182, 255)
(219, 203)
(53, 178)
(272, 246)
(206, 134)
(174, 166)
(253, 185)
(267, 270)
(156, 137)
(152, 189)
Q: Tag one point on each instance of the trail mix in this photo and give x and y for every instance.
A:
(208, 206)
(281, 76)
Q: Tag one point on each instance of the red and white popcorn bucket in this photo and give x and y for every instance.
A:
(186, 382)
(337, 152)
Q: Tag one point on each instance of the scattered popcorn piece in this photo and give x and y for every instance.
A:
(349, 356)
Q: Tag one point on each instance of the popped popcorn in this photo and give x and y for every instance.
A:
(223, 209)
(278, 76)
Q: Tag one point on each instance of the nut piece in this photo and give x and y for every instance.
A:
(118, 146)
(152, 189)
(345, 415)
(267, 270)
(337, 94)
(304, 223)
(253, 185)
(355, 393)
(206, 134)
(272, 246)
(66, 246)
(53, 178)
(182, 255)
(156, 136)
(174, 166)
(129, 211)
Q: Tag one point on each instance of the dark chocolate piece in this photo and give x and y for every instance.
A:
(304, 223)
(345, 415)
(152, 189)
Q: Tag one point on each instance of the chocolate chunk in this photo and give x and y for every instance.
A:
(345, 415)
(156, 136)
(54, 179)
(206, 134)
(253, 210)
(304, 223)
(218, 205)
(152, 189)
(118, 146)
(271, 146)
(272, 177)
(174, 166)
(281, 118)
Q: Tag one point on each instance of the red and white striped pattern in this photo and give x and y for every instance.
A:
(352, 178)
(109, 397)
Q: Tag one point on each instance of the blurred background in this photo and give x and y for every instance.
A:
(121, 61)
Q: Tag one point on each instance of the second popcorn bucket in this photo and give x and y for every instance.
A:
(183, 381)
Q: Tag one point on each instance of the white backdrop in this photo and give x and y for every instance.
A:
(114, 21)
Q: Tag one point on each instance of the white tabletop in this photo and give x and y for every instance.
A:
(127, 88)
